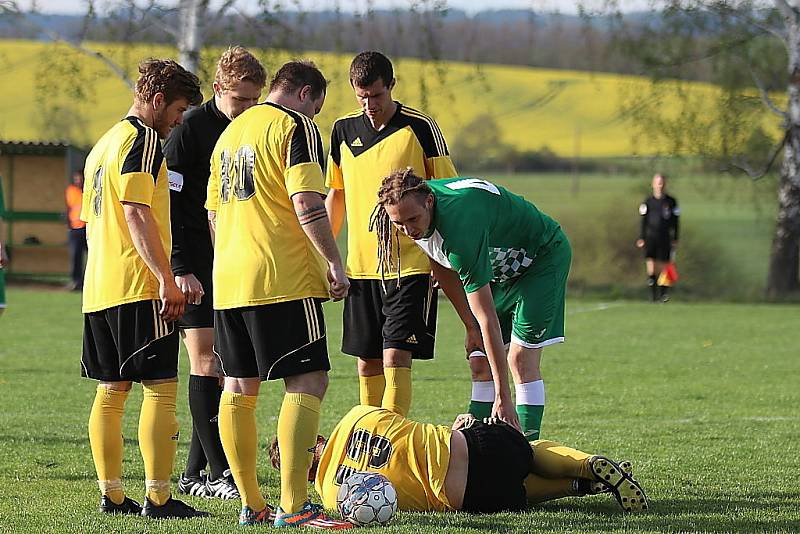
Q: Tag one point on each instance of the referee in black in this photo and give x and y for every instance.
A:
(238, 83)
(658, 235)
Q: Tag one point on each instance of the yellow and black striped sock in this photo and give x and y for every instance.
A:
(105, 440)
(158, 438)
(237, 430)
(298, 423)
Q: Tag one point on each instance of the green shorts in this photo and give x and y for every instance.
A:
(531, 307)
(2, 288)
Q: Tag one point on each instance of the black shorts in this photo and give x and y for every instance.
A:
(401, 317)
(272, 341)
(129, 342)
(658, 248)
(199, 254)
(499, 460)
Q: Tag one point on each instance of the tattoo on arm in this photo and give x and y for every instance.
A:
(312, 214)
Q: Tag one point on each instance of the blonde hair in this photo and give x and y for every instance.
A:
(236, 65)
(393, 188)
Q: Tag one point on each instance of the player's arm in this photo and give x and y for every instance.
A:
(438, 163)
(144, 234)
(335, 207)
(451, 284)
(212, 225)
(482, 305)
(676, 212)
(334, 180)
(642, 223)
(313, 219)
(305, 186)
(179, 158)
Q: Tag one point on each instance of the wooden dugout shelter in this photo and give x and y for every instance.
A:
(33, 177)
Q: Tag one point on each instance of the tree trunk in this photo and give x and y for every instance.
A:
(784, 261)
(191, 17)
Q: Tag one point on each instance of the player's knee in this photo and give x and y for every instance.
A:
(117, 386)
(204, 364)
(370, 367)
(314, 383)
(396, 358)
(480, 369)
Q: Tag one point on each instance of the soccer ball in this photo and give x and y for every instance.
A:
(367, 499)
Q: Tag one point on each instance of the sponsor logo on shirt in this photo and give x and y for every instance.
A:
(175, 181)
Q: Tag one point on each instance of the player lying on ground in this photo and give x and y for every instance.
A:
(481, 467)
(512, 261)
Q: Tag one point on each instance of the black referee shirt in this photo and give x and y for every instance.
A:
(659, 218)
(188, 151)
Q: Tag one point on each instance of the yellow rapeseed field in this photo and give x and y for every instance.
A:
(51, 91)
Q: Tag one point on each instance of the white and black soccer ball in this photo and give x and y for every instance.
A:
(367, 499)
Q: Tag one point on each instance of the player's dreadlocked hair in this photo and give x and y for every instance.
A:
(393, 188)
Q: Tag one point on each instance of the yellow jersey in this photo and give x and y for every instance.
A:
(413, 456)
(126, 165)
(261, 254)
(361, 157)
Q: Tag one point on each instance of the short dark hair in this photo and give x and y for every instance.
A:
(168, 77)
(295, 75)
(367, 67)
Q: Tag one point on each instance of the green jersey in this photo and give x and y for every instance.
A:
(484, 232)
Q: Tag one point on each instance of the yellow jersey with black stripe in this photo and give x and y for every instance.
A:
(261, 254)
(361, 157)
(413, 456)
(126, 165)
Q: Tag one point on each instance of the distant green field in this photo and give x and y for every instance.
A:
(702, 398)
(726, 226)
(572, 113)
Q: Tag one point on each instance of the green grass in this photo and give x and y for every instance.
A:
(701, 397)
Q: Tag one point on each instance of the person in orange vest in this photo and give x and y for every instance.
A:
(77, 230)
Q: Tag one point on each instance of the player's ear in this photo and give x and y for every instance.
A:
(159, 100)
(305, 92)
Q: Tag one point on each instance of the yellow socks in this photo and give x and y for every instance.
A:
(105, 439)
(298, 423)
(370, 389)
(397, 397)
(554, 460)
(158, 438)
(237, 431)
(539, 489)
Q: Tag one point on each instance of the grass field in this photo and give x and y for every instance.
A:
(703, 398)
(533, 107)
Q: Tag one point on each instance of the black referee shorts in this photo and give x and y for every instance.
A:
(658, 248)
(403, 316)
(272, 341)
(499, 460)
(129, 342)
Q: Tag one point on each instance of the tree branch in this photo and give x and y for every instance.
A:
(11, 7)
(765, 96)
(755, 175)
